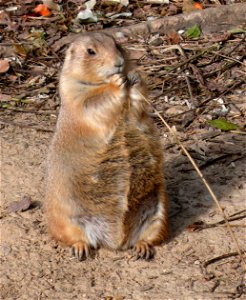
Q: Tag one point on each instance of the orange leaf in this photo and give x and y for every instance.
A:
(197, 5)
(4, 65)
(42, 10)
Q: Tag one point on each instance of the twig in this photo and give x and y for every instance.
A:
(238, 132)
(237, 45)
(194, 103)
(224, 93)
(191, 59)
(214, 60)
(215, 259)
(199, 225)
(228, 57)
(238, 213)
(190, 91)
(222, 69)
(233, 236)
(217, 2)
(218, 96)
(233, 225)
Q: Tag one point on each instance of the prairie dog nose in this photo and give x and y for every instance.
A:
(120, 62)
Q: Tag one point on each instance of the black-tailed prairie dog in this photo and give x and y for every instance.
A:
(105, 184)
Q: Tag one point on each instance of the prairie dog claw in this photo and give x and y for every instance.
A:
(143, 250)
(81, 250)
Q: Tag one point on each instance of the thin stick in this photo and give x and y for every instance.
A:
(233, 236)
(228, 58)
(215, 259)
(190, 90)
(238, 132)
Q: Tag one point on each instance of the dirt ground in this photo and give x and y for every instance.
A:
(35, 267)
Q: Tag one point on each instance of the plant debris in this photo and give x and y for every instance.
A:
(22, 205)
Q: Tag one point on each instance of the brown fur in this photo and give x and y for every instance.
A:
(105, 168)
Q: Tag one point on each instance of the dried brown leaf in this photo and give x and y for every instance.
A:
(190, 5)
(22, 205)
(51, 5)
(174, 37)
(20, 50)
(198, 75)
(172, 10)
(4, 65)
(195, 226)
(4, 18)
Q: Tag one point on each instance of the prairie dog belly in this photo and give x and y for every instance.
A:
(101, 195)
(98, 231)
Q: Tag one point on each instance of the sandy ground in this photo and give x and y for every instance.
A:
(35, 267)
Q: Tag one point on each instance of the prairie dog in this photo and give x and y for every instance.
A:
(105, 185)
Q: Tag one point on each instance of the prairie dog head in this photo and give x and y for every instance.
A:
(93, 58)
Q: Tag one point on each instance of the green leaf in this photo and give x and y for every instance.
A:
(223, 124)
(236, 30)
(4, 105)
(193, 32)
(168, 68)
(26, 101)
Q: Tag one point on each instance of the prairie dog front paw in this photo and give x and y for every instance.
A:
(118, 80)
(136, 86)
(134, 79)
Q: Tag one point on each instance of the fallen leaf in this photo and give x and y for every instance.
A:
(174, 38)
(124, 2)
(87, 16)
(115, 2)
(20, 49)
(13, 78)
(236, 30)
(198, 74)
(42, 10)
(156, 41)
(115, 16)
(22, 205)
(4, 18)
(191, 5)
(90, 4)
(213, 86)
(195, 226)
(175, 110)
(222, 124)
(172, 10)
(4, 65)
(158, 1)
(51, 5)
(193, 32)
(197, 5)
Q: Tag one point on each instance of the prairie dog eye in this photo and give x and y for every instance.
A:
(91, 51)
